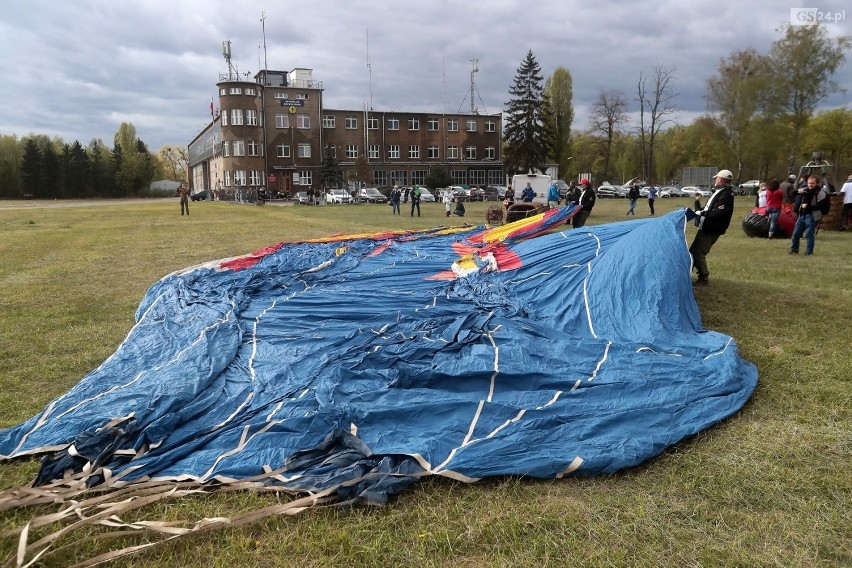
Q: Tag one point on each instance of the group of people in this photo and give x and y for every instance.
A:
(396, 196)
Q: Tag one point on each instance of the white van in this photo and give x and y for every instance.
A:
(539, 182)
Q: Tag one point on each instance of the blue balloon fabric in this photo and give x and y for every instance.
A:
(363, 363)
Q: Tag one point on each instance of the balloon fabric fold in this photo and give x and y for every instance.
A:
(365, 362)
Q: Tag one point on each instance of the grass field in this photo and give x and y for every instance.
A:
(771, 486)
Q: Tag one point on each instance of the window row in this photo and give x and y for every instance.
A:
(238, 178)
(241, 148)
(394, 151)
(302, 151)
(240, 117)
(432, 124)
(251, 91)
(384, 178)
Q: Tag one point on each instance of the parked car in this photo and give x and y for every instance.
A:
(665, 191)
(371, 195)
(607, 191)
(495, 193)
(200, 195)
(301, 197)
(426, 195)
(679, 192)
(691, 189)
(749, 186)
(459, 191)
(337, 196)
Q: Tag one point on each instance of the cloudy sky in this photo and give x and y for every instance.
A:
(79, 69)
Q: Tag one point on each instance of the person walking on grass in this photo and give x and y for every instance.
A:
(652, 196)
(633, 196)
(415, 200)
(395, 196)
(184, 199)
(712, 222)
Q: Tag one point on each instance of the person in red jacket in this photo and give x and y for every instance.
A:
(774, 198)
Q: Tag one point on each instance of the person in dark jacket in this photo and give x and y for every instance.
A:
(808, 213)
(712, 222)
(587, 202)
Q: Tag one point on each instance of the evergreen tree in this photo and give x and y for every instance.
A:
(51, 172)
(528, 138)
(77, 174)
(31, 169)
(330, 175)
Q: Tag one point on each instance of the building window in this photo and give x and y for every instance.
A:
(490, 153)
(434, 152)
(303, 151)
(393, 124)
(226, 148)
(251, 117)
(373, 123)
(254, 148)
(351, 123)
(470, 153)
(433, 124)
(490, 126)
(477, 177)
(352, 151)
(301, 96)
(239, 178)
(380, 178)
(414, 124)
(224, 115)
(328, 121)
(236, 116)
(414, 152)
(236, 91)
(282, 120)
(452, 125)
(399, 177)
(306, 178)
(282, 151)
(280, 95)
(251, 92)
(452, 152)
(373, 152)
(222, 92)
(332, 149)
(239, 148)
(303, 121)
(418, 177)
(459, 177)
(227, 178)
(471, 126)
(393, 151)
(254, 178)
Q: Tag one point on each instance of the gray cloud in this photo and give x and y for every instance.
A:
(77, 70)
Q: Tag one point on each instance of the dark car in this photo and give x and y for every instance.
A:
(200, 196)
(494, 193)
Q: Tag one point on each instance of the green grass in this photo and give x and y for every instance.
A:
(769, 487)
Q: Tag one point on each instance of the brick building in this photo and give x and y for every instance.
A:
(272, 131)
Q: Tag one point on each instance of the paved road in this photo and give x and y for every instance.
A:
(46, 203)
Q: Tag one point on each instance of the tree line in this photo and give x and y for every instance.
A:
(43, 168)
(761, 121)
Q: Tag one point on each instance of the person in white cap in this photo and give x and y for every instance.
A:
(712, 222)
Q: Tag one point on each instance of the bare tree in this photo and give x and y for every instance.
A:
(657, 105)
(608, 117)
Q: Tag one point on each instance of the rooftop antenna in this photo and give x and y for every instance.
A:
(226, 53)
(473, 85)
(369, 69)
(263, 25)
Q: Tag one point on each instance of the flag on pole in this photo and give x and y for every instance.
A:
(211, 107)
